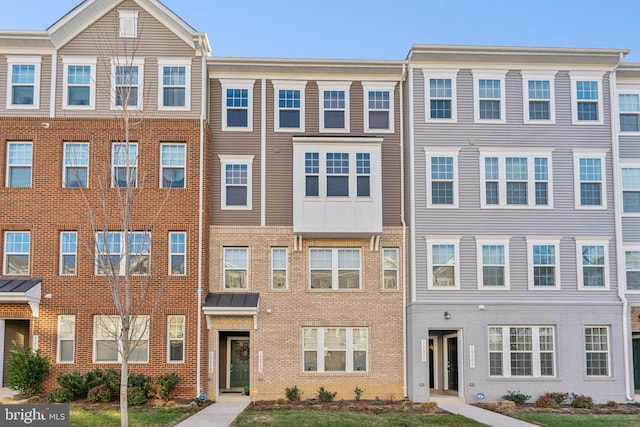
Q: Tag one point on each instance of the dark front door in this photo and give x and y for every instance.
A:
(452, 363)
(432, 383)
(240, 363)
(636, 363)
(14, 330)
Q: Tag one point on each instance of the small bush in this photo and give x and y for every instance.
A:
(516, 397)
(27, 370)
(559, 397)
(612, 404)
(281, 401)
(167, 383)
(75, 383)
(358, 392)
(60, 395)
(136, 396)
(582, 401)
(292, 393)
(93, 379)
(111, 378)
(101, 393)
(546, 401)
(325, 395)
(141, 381)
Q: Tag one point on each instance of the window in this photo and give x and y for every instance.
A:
(236, 268)
(335, 349)
(175, 84)
(175, 339)
(172, 165)
(79, 79)
(106, 345)
(390, 269)
(589, 180)
(544, 268)
(68, 253)
(629, 105)
(539, 103)
(128, 23)
(334, 268)
(19, 162)
(289, 97)
(378, 107)
(17, 249)
(493, 263)
(334, 106)
(236, 182)
(125, 165)
(442, 263)
(23, 82)
(632, 267)
(586, 93)
(237, 105)
(440, 91)
(338, 174)
(596, 340)
(311, 173)
(363, 174)
(111, 253)
(521, 351)
(521, 180)
(66, 338)
(593, 264)
(177, 253)
(631, 189)
(279, 268)
(126, 83)
(489, 96)
(338, 168)
(76, 165)
(442, 178)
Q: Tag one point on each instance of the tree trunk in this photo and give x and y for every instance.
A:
(124, 404)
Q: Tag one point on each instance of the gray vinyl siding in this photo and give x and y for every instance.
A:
(629, 147)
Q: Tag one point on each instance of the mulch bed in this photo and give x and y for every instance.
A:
(367, 406)
(618, 409)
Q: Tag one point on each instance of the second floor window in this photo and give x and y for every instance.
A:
(334, 107)
(236, 268)
(490, 97)
(177, 253)
(279, 268)
(24, 86)
(544, 264)
(20, 158)
(127, 85)
(173, 165)
(68, 252)
(17, 251)
(76, 165)
(592, 264)
(378, 107)
(125, 165)
(334, 268)
(442, 265)
(539, 101)
(632, 268)
(111, 252)
(175, 84)
(629, 104)
(390, 269)
(79, 79)
(586, 98)
(589, 181)
(493, 263)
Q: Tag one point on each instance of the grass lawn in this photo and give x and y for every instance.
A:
(582, 420)
(155, 417)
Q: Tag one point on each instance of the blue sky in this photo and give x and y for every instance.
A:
(379, 29)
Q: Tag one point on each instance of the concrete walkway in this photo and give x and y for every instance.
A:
(483, 416)
(220, 414)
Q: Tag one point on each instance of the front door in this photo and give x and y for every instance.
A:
(451, 343)
(14, 331)
(636, 362)
(239, 362)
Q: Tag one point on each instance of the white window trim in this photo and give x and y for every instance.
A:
(431, 152)
(224, 268)
(230, 160)
(629, 248)
(184, 166)
(589, 154)
(337, 86)
(134, 165)
(11, 165)
(121, 268)
(547, 241)
(170, 273)
(440, 74)
(585, 76)
(592, 241)
(541, 76)
(335, 268)
(443, 240)
(240, 84)
(186, 63)
(349, 349)
(82, 61)
(279, 85)
(117, 323)
(286, 268)
(626, 91)
(584, 336)
(126, 16)
(183, 339)
(493, 240)
(64, 162)
(59, 340)
(127, 62)
(397, 269)
(7, 253)
(535, 351)
(531, 155)
(489, 75)
(628, 164)
(378, 87)
(24, 60)
(62, 254)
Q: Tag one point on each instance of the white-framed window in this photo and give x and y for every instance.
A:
(596, 347)
(489, 99)
(177, 253)
(544, 263)
(390, 271)
(17, 252)
(68, 253)
(175, 338)
(19, 164)
(539, 97)
(443, 257)
(630, 188)
(111, 252)
(586, 98)
(66, 338)
(629, 107)
(440, 95)
(442, 177)
(334, 268)
(23, 82)
(236, 268)
(334, 106)
(279, 262)
(516, 179)
(335, 349)
(311, 174)
(236, 191)
(124, 165)
(289, 108)
(128, 20)
(173, 165)
(378, 107)
(79, 83)
(632, 267)
(493, 262)
(126, 83)
(174, 88)
(106, 345)
(590, 179)
(237, 105)
(76, 165)
(521, 351)
(593, 264)
(346, 174)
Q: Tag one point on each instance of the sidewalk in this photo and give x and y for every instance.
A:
(484, 416)
(220, 414)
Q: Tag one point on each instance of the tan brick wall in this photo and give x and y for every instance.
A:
(635, 319)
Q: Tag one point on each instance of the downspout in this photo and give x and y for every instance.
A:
(54, 78)
(412, 201)
(404, 239)
(263, 154)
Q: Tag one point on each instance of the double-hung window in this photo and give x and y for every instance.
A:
(76, 165)
(68, 253)
(106, 343)
(596, 341)
(175, 338)
(589, 177)
(493, 263)
(390, 271)
(593, 264)
(236, 191)
(631, 189)
(19, 161)
(17, 250)
(236, 268)
(172, 165)
(443, 257)
(539, 100)
(126, 84)
(378, 107)
(334, 106)
(79, 78)
(174, 90)
(177, 253)
(629, 106)
(442, 177)
(489, 92)
(544, 263)
(23, 82)
(334, 268)
(279, 268)
(335, 349)
(586, 97)
(112, 252)
(289, 97)
(337, 174)
(311, 174)
(632, 268)
(125, 165)
(66, 338)
(237, 105)
(521, 351)
(440, 96)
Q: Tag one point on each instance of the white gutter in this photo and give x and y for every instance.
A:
(54, 76)
(412, 199)
(263, 154)
(404, 239)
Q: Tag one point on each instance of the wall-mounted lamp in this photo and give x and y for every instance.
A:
(447, 315)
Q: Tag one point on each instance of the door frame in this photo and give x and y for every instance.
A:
(436, 371)
(228, 367)
(460, 365)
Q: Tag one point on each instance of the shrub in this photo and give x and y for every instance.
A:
(27, 370)
(358, 392)
(136, 396)
(141, 381)
(325, 395)
(582, 401)
(111, 378)
(559, 397)
(612, 403)
(167, 383)
(546, 401)
(516, 397)
(292, 393)
(75, 383)
(60, 395)
(93, 379)
(101, 393)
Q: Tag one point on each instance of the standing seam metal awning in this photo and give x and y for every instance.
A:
(231, 304)
(21, 290)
